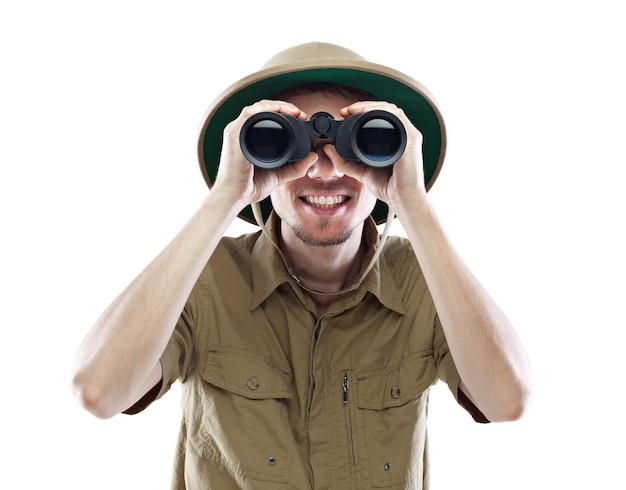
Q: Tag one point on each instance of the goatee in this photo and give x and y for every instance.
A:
(317, 239)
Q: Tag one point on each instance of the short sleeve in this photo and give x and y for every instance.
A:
(448, 373)
(175, 361)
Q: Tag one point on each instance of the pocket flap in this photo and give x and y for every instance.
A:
(394, 386)
(247, 373)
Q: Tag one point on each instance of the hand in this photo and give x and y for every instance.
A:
(396, 184)
(238, 177)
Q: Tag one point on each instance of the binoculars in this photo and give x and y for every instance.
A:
(376, 138)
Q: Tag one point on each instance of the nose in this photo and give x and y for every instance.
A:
(323, 168)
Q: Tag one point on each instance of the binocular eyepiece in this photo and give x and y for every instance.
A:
(270, 140)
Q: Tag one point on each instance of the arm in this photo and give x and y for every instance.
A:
(118, 361)
(492, 363)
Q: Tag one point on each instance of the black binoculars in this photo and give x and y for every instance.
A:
(270, 140)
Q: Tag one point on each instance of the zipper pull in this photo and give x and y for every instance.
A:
(345, 389)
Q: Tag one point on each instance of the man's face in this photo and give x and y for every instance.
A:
(324, 207)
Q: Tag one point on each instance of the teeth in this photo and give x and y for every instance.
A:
(325, 201)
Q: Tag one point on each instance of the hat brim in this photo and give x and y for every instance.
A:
(382, 82)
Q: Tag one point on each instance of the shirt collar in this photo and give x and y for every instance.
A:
(269, 272)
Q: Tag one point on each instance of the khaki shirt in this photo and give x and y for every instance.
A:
(275, 397)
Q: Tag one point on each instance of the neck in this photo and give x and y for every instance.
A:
(256, 209)
(323, 268)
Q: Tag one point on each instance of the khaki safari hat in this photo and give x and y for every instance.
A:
(324, 63)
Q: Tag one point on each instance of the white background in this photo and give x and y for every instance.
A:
(100, 104)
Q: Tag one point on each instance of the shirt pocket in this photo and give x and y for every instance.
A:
(244, 421)
(393, 405)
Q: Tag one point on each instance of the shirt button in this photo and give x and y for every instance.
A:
(253, 383)
(395, 392)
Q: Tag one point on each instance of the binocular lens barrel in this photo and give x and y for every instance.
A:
(267, 140)
(378, 140)
(375, 138)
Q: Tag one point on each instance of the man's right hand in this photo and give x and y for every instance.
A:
(238, 177)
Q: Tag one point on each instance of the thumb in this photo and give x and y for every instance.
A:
(296, 170)
(350, 168)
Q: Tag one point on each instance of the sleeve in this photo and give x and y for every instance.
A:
(447, 372)
(176, 359)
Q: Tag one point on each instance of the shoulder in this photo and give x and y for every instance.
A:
(237, 250)
(398, 250)
(232, 257)
(240, 244)
(399, 262)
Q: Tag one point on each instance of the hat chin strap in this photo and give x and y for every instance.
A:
(258, 216)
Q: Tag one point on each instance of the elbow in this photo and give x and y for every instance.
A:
(516, 397)
(514, 407)
(513, 412)
(91, 398)
(523, 400)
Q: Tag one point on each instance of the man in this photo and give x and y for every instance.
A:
(306, 351)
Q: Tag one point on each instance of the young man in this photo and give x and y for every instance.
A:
(306, 351)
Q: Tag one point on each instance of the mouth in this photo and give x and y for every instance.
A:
(325, 202)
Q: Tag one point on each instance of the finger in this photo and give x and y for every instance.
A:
(277, 106)
(368, 105)
(348, 167)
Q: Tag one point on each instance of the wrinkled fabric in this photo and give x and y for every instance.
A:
(275, 397)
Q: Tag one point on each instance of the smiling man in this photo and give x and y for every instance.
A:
(306, 351)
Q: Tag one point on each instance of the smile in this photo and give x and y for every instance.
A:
(325, 201)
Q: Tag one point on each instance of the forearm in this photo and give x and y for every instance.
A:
(492, 363)
(118, 360)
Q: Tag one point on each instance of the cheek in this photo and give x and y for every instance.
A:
(369, 202)
(279, 201)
